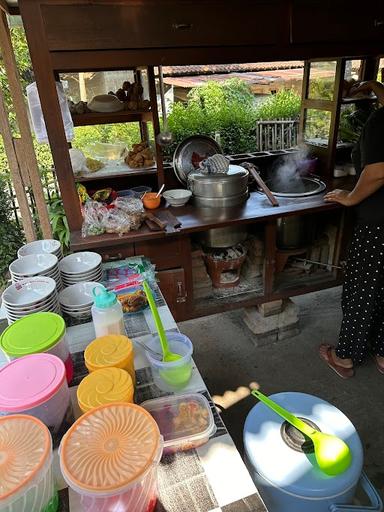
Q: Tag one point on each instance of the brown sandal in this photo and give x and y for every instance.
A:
(325, 352)
(378, 365)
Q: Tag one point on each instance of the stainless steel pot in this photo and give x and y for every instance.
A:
(223, 237)
(220, 190)
(292, 232)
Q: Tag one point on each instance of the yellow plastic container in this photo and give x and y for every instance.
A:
(105, 386)
(112, 351)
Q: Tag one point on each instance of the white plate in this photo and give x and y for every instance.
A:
(77, 295)
(29, 291)
(50, 246)
(80, 262)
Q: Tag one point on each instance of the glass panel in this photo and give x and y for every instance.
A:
(317, 126)
(322, 80)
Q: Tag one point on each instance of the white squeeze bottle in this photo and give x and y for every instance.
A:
(107, 313)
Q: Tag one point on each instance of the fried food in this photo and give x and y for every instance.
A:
(132, 302)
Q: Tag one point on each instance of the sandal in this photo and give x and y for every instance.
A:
(378, 365)
(325, 352)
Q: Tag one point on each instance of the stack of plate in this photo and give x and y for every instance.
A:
(77, 299)
(40, 247)
(36, 265)
(30, 296)
(80, 267)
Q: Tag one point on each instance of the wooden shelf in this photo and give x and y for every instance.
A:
(117, 174)
(124, 116)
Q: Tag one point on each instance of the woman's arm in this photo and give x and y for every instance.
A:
(366, 87)
(371, 179)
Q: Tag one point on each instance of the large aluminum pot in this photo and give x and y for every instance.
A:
(292, 232)
(283, 466)
(221, 238)
(220, 190)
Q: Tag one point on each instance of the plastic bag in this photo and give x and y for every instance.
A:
(78, 160)
(93, 219)
(133, 207)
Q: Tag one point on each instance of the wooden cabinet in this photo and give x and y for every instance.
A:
(160, 24)
(173, 286)
(336, 21)
(165, 253)
(115, 253)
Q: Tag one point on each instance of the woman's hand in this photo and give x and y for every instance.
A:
(339, 196)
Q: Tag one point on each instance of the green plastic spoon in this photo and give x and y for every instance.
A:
(168, 356)
(332, 454)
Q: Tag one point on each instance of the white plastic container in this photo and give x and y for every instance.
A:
(37, 114)
(36, 385)
(107, 313)
(26, 477)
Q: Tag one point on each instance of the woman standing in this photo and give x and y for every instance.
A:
(362, 327)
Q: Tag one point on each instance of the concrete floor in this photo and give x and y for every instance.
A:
(229, 361)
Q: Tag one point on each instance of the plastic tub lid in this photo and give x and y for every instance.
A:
(109, 448)
(25, 446)
(108, 385)
(37, 332)
(182, 418)
(107, 351)
(30, 381)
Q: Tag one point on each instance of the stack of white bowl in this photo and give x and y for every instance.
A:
(77, 299)
(79, 267)
(49, 246)
(30, 296)
(36, 265)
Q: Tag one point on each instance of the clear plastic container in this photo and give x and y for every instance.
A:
(105, 386)
(37, 114)
(36, 385)
(35, 333)
(110, 456)
(185, 421)
(26, 477)
(111, 352)
(175, 375)
(107, 313)
(139, 191)
(107, 152)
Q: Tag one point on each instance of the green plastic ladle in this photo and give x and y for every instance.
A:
(332, 454)
(168, 356)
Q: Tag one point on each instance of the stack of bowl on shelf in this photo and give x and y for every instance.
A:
(47, 246)
(80, 267)
(34, 265)
(28, 296)
(77, 300)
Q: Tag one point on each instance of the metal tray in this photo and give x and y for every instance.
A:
(182, 158)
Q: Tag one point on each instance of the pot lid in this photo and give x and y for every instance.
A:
(271, 450)
(190, 152)
(234, 172)
(33, 333)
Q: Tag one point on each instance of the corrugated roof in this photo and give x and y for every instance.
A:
(211, 69)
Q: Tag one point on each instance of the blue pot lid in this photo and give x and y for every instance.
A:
(292, 471)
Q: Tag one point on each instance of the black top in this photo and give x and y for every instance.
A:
(370, 150)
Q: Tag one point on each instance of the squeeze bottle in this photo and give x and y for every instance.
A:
(107, 313)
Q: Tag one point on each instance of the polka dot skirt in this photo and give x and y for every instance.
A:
(362, 327)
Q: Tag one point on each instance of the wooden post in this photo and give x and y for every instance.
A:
(16, 175)
(28, 163)
(156, 124)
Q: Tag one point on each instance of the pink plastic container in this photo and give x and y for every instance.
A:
(36, 385)
(36, 333)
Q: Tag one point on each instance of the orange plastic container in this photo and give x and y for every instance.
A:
(26, 480)
(150, 200)
(111, 351)
(105, 386)
(110, 456)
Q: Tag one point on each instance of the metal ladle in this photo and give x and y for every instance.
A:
(165, 137)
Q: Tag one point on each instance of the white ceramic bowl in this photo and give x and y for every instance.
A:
(80, 263)
(105, 103)
(50, 246)
(77, 295)
(177, 196)
(84, 276)
(33, 264)
(91, 277)
(29, 291)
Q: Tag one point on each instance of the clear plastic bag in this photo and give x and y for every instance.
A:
(93, 219)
